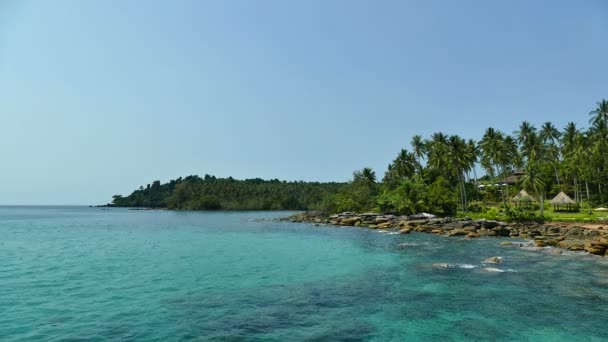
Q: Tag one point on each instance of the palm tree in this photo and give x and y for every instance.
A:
(568, 145)
(488, 146)
(599, 114)
(498, 154)
(598, 136)
(419, 148)
(550, 135)
(579, 161)
(532, 182)
(405, 165)
(436, 151)
(368, 175)
(524, 130)
(473, 156)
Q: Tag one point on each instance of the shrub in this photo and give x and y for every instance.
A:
(523, 215)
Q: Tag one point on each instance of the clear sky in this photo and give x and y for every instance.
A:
(100, 97)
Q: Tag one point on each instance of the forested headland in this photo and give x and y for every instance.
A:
(212, 193)
(436, 174)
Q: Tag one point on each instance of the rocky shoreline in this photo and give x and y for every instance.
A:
(571, 236)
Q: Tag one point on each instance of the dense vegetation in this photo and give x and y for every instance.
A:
(211, 193)
(438, 174)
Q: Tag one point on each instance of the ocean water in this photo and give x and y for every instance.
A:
(86, 274)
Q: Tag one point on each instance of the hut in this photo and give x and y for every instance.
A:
(523, 199)
(563, 200)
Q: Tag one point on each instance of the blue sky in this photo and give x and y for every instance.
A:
(99, 97)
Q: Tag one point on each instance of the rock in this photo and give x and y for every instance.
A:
(493, 260)
(553, 251)
(595, 247)
(454, 225)
(472, 235)
(507, 243)
(424, 229)
(458, 232)
(350, 221)
(489, 224)
(420, 216)
(384, 225)
(437, 231)
(539, 241)
(501, 231)
(602, 242)
(380, 219)
(573, 245)
(405, 231)
(416, 223)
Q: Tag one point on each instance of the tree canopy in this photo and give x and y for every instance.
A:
(438, 175)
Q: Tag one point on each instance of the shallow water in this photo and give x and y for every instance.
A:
(75, 273)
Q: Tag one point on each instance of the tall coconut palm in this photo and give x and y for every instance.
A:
(500, 153)
(419, 148)
(533, 148)
(368, 175)
(550, 136)
(598, 144)
(509, 156)
(405, 165)
(459, 164)
(579, 161)
(489, 146)
(548, 133)
(437, 149)
(568, 144)
(473, 153)
(532, 182)
(525, 128)
(599, 114)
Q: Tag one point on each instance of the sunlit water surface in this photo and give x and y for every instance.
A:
(76, 273)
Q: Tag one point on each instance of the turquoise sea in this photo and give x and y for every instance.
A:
(86, 274)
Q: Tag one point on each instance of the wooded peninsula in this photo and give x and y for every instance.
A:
(435, 175)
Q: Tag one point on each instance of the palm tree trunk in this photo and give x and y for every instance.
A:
(588, 200)
(542, 205)
(466, 201)
(556, 176)
(461, 193)
(464, 191)
(599, 185)
(576, 190)
(502, 193)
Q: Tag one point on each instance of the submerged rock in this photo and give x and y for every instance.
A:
(493, 260)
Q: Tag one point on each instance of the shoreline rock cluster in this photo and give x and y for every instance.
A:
(571, 236)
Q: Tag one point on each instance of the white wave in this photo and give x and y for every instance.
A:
(467, 266)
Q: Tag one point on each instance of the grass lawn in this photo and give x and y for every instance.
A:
(496, 213)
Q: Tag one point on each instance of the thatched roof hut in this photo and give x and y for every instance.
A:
(522, 196)
(562, 199)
